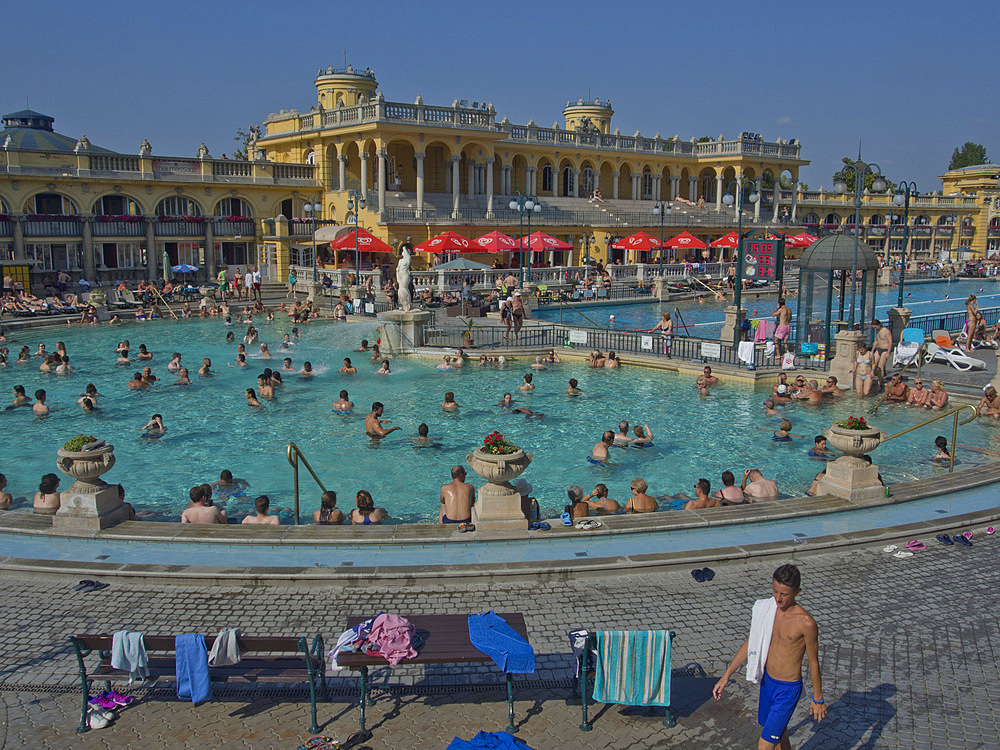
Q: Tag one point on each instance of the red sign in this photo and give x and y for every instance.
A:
(760, 259)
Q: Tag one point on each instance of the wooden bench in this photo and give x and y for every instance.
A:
(277, 659)
(445, 641)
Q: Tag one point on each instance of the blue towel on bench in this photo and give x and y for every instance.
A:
(491, 634)
(633, 667)
(488, 741)
(192, 667)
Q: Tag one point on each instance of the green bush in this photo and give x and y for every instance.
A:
(76, 444)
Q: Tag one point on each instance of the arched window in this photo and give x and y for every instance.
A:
(647, 184)
(547, 175)
(876, 220)
(895, 219)
(995, 223)
(4, 208)
(589, 179)
(310, 157)
(922, 220)
(947, 221)
(178, 205)
(116, 205)
(234, 207)
(52, 204)
(832, 219)
(811, 218)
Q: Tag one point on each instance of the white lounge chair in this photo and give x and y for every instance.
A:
(907, 348)
(952, 356)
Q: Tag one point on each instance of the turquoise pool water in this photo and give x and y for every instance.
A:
(210, 428)
(705, 320)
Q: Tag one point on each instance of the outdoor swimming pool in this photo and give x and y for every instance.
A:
(210, 428)
(705, 320)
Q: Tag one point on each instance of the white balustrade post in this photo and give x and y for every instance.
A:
(489, 186)
(454, 186)
(381, 179)
(420, 183)
(718, 192)
(364, 175)
(795, 197)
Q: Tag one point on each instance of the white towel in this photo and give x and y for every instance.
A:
(745, 352)
(128, 652)
(225, 650)
(761, 627)
(769, 348)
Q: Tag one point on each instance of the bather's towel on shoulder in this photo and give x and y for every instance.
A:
(761, 628)
(488, 741)
(492, 635)
(128, 652)
(226, 649)
(192, 667)
(633, 667)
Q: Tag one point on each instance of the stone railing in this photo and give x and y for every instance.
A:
(294, 171)
(179, 228)
(114, 163)
(118, 228)
(846, 200)
(53, 228)
(232, 168)
(225, 228)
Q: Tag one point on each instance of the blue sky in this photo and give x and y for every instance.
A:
(912, 80)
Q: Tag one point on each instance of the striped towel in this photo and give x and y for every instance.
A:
(633, 667)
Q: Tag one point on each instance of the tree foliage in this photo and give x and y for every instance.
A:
(243, 138)
(848, 175)
(970, 155)
(786, 181)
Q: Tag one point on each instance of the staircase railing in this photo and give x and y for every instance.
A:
(294, 456)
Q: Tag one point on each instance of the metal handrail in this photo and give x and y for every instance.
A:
(294, 455)
(954, 430)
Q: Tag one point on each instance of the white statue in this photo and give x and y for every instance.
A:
(403, 280)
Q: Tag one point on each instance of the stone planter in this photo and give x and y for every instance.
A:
(89, 503)
(498, 504)
(854, 442)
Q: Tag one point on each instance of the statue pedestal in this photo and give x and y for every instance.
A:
(314, 291)
(89, 507)
(498, 508)
(732, 329)
(899, 318)
(405, 331)
(845, 356)
(660, 289)
(851, 478)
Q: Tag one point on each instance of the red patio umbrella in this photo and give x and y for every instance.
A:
(495, 242)
(638, 241)
(800, 240)
(448, 242)
(366, 242)
(684, 241)
(542, 241)
(729, 241)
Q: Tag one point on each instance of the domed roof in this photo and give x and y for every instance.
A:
(836, 253)
(30, 130)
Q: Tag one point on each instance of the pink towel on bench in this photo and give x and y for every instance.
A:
(393, 635)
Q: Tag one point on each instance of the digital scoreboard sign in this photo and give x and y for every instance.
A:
(760, 259)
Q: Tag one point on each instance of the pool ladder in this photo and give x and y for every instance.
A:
(954, 429)
(294, 456)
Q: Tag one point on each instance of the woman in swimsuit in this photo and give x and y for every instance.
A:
(366, 514)
(989, 404)
(666, 325)
(328, 513)
(862, 370)
(938, 398)
(972, 312)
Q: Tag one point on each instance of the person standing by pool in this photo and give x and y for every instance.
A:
(373, 422)
(781, 633)
(971, 313)
(517, 314)
(881, 345)
(666, 326)
(457, 498)
(783, 316)
(366, 514)
(862, 369)
(255, 279)
(223, 281)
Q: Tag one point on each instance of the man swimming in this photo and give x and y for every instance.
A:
(182, 377)
(206, 368)
(373, 422)
(573, 390)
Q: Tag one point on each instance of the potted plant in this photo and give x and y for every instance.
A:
(498, 460)
(468, 338)
(85, 458)
(98, 298)
(854, 436)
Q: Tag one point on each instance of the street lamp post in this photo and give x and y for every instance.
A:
(861, 170)
(313, 207)
(661, 208)
(902, 198)
(587, 239)
(355, 204)
(524, 204)
(729, 200)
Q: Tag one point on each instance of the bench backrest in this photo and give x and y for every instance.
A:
(247, 644)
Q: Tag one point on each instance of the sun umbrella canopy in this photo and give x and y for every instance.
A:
(448, 242)
(542, 241)
(183, 268)
(727, 241)
(461, 264)
(495, 242)
(685, 240)
(637, 241)
(800, 240)
(366, 242)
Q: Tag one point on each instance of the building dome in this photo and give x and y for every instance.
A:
(32, 131)
(836, 253)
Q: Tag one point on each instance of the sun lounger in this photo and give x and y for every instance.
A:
(909, 345)
(952, 356)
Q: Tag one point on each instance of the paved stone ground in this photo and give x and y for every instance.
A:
(908, 648)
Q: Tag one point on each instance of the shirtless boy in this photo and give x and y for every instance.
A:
(457, 498)
(261, 505)
(794, 634)
(373, 425)
(201, 509)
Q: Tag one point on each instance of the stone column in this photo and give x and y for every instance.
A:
(760, 199)
(343, 171)
(420, 183)
(636, 195)
(528, 180)
(471, 179)
(777, 195)
(534, 181)
(489, 186)
(556, 182)
(19, 238)
(381, 179)
(454, 186)
(576, 183)
(693, 189)
(718, 192)
(732, 329)
(675, 186)
(795, 197)
(614, 184)
(152, 257)
(88, 250)
(364, 175)
(656, 188)
(210, 259)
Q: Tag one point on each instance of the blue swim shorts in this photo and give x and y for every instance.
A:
(777, 703)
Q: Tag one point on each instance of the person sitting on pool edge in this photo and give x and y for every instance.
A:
(201, 509)
(457, 499)
(758, 488)
(577, 508)
(366, 514)
(47, 500)
(261, 505)
(701, 497)
(328, 513)
(640, 502)
(599, 501)
(730, 494)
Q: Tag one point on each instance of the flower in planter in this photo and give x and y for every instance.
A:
(854, 423)
(498, 445)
